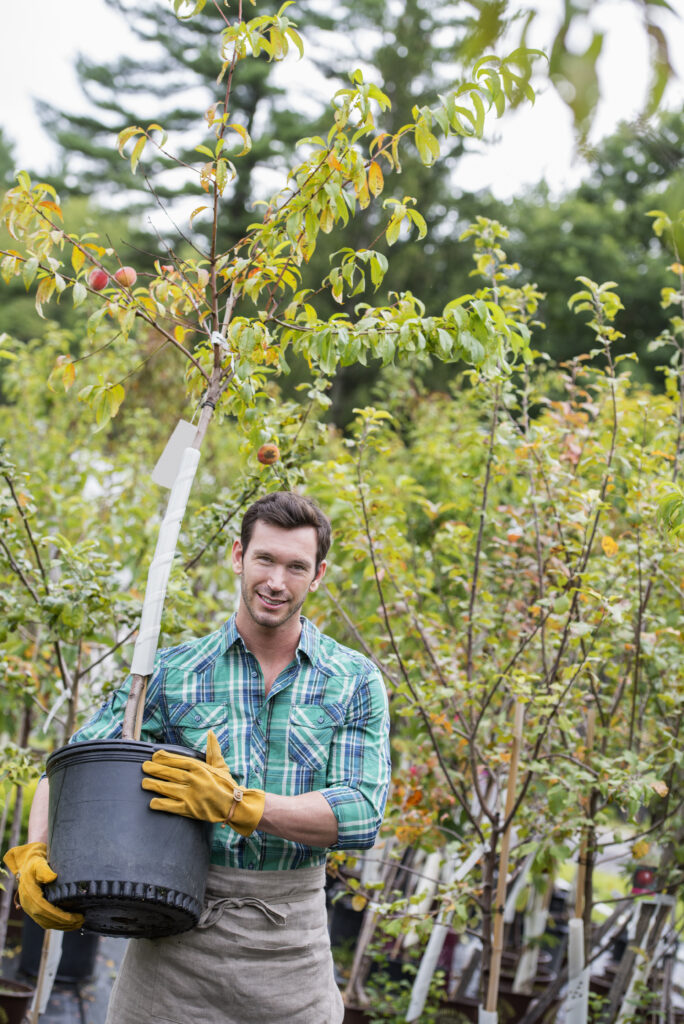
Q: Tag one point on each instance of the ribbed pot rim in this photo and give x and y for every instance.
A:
(112, 750)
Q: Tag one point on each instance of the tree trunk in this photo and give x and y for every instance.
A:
(487, 901)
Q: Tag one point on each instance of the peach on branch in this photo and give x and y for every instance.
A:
(98, 278)
(126, 276)
(268, 454)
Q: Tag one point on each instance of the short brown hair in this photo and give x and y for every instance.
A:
(289, 511)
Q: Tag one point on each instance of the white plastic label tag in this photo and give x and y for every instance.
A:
(166, 470)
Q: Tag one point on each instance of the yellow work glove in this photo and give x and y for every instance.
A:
(204, 790)
(29, 864)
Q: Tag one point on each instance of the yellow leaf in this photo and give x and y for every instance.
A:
(358, 901)
(660, 788)
(375, 179)
(195, 212)
(179, 334)
(609, 546)
(77, 259)
(137, 152)
(125, 135)
(333, 162)
(206, 175)
(68, 375)
(327, 220)
(246, 141)
(640, 849)
(46, 204)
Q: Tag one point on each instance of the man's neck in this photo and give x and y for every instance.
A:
(269, 645)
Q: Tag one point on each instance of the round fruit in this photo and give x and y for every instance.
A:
(126, 276)
(97, 279)
(268, 454)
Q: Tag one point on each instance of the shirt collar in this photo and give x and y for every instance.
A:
(309, 640)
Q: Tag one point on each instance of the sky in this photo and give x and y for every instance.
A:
(42, 40)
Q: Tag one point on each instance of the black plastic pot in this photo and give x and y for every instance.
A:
(129, 870)
(15, 1000)
(78, 959)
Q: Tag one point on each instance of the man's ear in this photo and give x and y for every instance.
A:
(236, 555)
(320, 573)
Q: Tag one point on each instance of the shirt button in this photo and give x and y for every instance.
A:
(321, 720)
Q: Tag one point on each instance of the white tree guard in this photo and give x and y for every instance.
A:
(487, 1016)
(158, 575)
(644, 964)
(533, 928)
(426, 889)
(430, 959)
(50, 956)
(576, 1004)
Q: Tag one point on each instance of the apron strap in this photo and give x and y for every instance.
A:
(215, 908)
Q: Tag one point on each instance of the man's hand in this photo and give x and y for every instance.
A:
(202, 790)
(30, 865)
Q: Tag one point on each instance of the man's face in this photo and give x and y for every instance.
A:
(277, 571)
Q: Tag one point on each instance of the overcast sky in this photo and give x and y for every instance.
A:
(41, 39)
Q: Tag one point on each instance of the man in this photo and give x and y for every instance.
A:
(295, 728)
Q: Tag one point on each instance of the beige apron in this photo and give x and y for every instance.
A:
(260, 953)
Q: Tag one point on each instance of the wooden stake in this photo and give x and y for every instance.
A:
(131, 726)
(500, 898)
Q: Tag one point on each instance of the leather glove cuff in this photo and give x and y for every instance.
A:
(246, 810)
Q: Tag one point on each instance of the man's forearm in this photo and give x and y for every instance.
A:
(307, 818)
(38, 818)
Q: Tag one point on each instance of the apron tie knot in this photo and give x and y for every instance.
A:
(215, 908)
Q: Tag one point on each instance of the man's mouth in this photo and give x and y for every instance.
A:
(270, 602)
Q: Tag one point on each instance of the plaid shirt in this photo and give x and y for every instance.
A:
(324, 726)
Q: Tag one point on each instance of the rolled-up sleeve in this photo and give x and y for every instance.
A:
(359, 766)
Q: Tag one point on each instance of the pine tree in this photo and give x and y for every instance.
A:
(177, 81)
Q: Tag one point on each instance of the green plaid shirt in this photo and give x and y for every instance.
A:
(324, 726)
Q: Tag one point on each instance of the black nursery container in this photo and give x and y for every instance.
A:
(129, 870)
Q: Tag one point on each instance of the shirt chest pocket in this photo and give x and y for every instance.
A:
(190, 724)
(310, 733)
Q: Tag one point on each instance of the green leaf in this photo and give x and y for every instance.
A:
(29, 270)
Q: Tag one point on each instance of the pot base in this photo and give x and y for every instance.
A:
(115, 908)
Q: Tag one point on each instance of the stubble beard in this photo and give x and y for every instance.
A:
(262, 618)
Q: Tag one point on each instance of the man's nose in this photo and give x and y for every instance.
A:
(276, 577)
